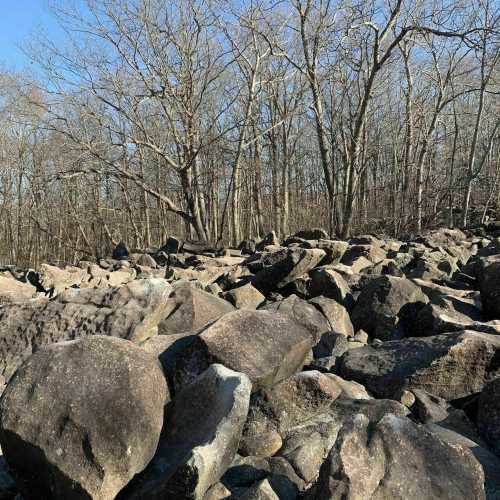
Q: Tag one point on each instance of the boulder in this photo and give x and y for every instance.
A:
(330, 283)
(395, 458)
(303, 313)
(451, 365)
(12, 290)
(132, 311)
(488, 414)
(266, 346)
(201, 432)
(445, 314)
(489, 284)
(260, 491)
(288, 264)
(81, 418)
(488, 461)
(336, 314)
(334, 249)
(54, 280)
(371, 253)
(190, 309)
(245, 297)
(387, 306)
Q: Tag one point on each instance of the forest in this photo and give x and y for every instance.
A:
(219, 120)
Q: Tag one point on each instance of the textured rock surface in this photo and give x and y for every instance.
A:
(266, 346)
(450, 366)
(190, 309)
(287, 265)
(81, 418)
(202, 429)
(132, 311)
(397, 459)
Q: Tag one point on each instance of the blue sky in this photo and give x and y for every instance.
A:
(18, 20)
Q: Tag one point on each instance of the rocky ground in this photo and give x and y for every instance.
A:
(309, 368)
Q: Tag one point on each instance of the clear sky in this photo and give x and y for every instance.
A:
(18, 20)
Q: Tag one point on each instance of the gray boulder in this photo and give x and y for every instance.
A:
(489, 283)
(488, 414)
(202, 429)
(266, 346)
(303, 313)
(190, 309)
(387, 306)
(245, 297)
(397, 459)
(451, 365)
(80, 419)
(132, 311)
(288, 264)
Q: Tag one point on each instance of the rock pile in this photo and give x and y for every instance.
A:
(309, 368)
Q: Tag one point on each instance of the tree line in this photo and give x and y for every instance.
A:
(221, 120)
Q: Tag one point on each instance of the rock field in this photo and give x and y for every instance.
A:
(309, 368)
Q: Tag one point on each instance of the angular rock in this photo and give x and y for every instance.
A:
(245, 297)
(489, 462)
(334, 249)
(80, 419)
(336, 314)
(289, 263)
(260, 491)
(132, 311)
(488, 414)
(329, 283)
(303, 313)
(54, 280)
(190, 309)
(489, 283)
(445, 314)
(387, 306)
(450, 366)
(266, 346)
(200, 437)
(395, 458)
(12, 290)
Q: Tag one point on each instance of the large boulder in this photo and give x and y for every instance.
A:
(190, 309)
(301, 312)
(397, 459)
(446, 313)
(245, 297)
(54, 279)
(132, 311)
(386, 307)
(287, 265)
(334, 249)
(488, 414)
(202, 429)
(336, 314)
(451, 365)
(12, 290)
(80, 419)
(266, 346)
(489, 283)
(329, 283)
